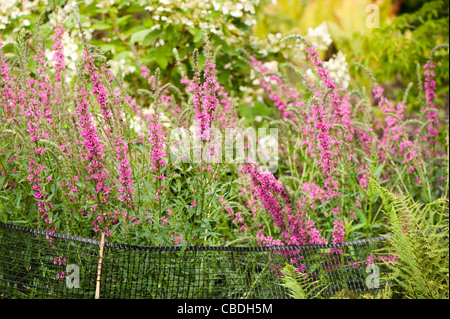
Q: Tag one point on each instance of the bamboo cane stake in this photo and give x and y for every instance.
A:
(99, 271)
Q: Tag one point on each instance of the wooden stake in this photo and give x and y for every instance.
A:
(99, 271)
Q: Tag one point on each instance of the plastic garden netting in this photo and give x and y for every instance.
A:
(37, 264)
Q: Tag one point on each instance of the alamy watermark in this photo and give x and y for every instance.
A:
(373, 19)
(73, 277)
(225, 146)
(373, 279)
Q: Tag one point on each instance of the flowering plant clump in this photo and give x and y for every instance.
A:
(179, 164)
(338, 148)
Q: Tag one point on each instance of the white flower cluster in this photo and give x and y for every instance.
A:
(70, 40)
(338, 68)
(249, 94)
(320, 37)
(70, 50)
(272, 44)
(138, 123)
(174, 11)
(13, 9)
(100, 4)
(235, 9)
(271, 66)
(121, 66)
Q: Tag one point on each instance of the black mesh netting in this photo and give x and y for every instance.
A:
(36, 264)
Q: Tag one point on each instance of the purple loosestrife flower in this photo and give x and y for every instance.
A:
(98, 89)
(267, 187)
(204, 97)
(210, 88)
(226, 111)
(338, 232)
(8, 86)
(395, 139)
(317, 125)
(34, 178)
(94, 149)
(276, 199)
(126, 182)
(115, 134)
(315, 238)
(59, 57)
(338, 235)
(43, 89)
(32, 105)
(340, 109)
(60, 65)
(156, 138)
(281, 94)
(430, 95)
(321, 115)
(325, 139)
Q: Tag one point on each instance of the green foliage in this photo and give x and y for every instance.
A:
(135, 33)
(393, 50)
(298, 285)
(386, 293)
(421, 243)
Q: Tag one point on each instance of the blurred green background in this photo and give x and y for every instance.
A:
(145, 32)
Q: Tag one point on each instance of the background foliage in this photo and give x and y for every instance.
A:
(164, 52)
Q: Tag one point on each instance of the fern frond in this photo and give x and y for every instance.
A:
(420, 241)
(299, 286)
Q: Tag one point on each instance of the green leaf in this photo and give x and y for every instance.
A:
(151, 37)
(362, 217)
(261, 109)
(161, 57)
(359, 226)
(197, 34)
(247, 112)
(101, 26)
(241, 25)
(19, 198)
(139, 36)
(105, 47)
(378, 171)
(124, 19)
